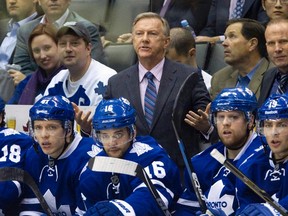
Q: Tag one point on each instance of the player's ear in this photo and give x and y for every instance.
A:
(251, 122)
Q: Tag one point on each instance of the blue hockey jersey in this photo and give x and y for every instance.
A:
(216, 181)
(267, 175)
(58, 181)
(13, 146)
(99, 186)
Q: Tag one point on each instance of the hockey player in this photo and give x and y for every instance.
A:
(233, 113)
(13, 145)
(57, 158)
(119, 194)
(268, 167)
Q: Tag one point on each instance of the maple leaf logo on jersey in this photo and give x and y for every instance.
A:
(9, 131)
(224, 202)
(100, 90)
(95, 150)
(140, 148)
(51, 201)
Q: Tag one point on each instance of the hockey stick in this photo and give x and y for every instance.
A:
(16, 174)
(116, 165)
(261, 193)
(180, 109)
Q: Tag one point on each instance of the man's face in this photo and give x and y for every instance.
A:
(149, 40)
(276, 133)
(232, 128)
(73, 50)
(277, 45)
(275, 10)
(54, 8)
(20, 9)
(45, 52)
(50, 136)
(236, 47)
(115, 141)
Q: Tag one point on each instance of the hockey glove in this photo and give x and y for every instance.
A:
(110, 208)
(258, 209)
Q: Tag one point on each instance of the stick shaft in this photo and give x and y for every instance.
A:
(261, 193)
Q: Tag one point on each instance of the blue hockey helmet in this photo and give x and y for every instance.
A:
(52, 108)
(235, 99)
(275, 107)
(114, 113)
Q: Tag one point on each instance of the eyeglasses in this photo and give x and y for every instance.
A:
(284, 2)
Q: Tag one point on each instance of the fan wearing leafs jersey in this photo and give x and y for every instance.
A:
(118, 194)
(268, 167)
(57, 159)
(233, 114)
(13, 146)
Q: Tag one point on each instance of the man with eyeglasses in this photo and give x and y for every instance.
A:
(275, 8)
(118, 194)
(268, 167)
(57, 159)
(233, 114)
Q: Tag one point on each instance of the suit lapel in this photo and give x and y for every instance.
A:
(255, 82)
(167, 84)
(247, 6)
(132, 83)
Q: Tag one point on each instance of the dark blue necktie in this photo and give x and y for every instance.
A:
(243, 81)
(282, 83)
(237, 12)
(150, 98)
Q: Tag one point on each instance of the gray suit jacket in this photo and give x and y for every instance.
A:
(227, 78)
(23, 58)
(126, 84)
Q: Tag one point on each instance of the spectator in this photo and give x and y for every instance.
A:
(182, 49)
(21, 12)
(58, 157)
(267, 168)
(221, 11)
(85, 79)
(275, 9)
(150, 33)
(194, 11)
(42, 45)
(113, 127)
(13, 146)
(57, 14)
(275, 79)
(233, 114)
(245, 53)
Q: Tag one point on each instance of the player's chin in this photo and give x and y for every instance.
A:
(115, 153)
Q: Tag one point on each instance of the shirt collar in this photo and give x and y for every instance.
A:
(156, 71)
(60, 22)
